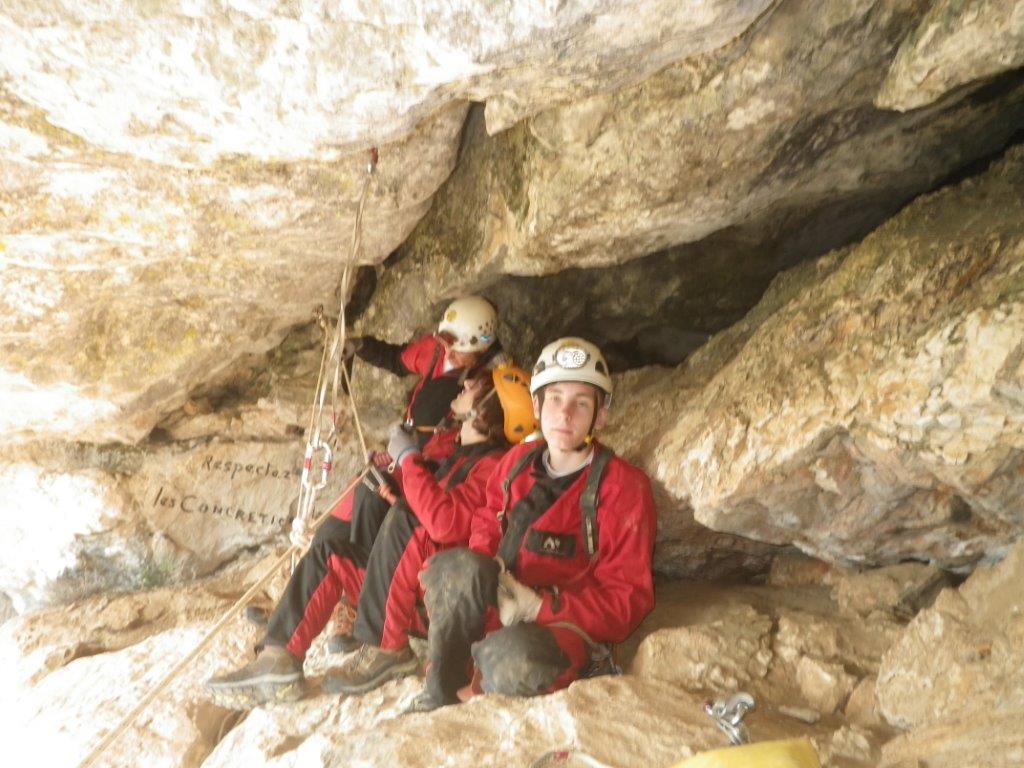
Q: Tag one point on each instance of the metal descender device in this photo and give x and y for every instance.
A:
(728, 715)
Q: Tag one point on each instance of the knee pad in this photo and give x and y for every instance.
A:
(521, 660)
(457, 577)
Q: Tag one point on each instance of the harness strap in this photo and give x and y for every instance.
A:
(588, 500)
(506, 484)
(464, 469)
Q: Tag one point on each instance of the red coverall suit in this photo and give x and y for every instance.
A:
(433, 519)
(599, 599)
(335, 562)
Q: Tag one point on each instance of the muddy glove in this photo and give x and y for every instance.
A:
(300, 535)
(516, 601)
(402, 444)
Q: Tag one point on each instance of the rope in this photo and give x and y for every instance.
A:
(203, 644)
(307, 492)
(333, 354)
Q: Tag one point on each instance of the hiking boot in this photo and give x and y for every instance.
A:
(274, 676)
(424, 702)
(342, 644)
(370, 668)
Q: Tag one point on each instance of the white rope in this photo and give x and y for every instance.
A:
(307, 494)
(203, 644)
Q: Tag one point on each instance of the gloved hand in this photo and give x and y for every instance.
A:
(352, 345)
(516, 601)
(401, 444)
(380, 459)
(300, 535)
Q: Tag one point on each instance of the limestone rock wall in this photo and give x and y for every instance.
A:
(956, 43)
(223, 478)
(127, 284)
(954, 677)
(727, 148)
(872, 411)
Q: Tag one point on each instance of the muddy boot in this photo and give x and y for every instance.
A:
(369, 668)
(424, 702)
(341, 639)
(274, 676)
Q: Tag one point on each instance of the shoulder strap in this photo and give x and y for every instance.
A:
(516, 470)
(463, 470)
(433, 362)
(588, 501)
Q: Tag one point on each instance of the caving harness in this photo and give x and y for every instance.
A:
(588, 499)
(602, 655)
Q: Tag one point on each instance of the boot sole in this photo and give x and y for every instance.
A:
(249, 696)
(395, 672)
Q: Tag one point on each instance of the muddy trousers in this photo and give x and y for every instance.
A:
(520, 660)
(389, 603)
(332, 566)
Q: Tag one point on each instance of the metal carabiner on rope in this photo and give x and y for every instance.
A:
(325, 465)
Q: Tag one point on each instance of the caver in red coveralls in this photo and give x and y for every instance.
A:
(585, 600)
(335, 562)
(434, 518)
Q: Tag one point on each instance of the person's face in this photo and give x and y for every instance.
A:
(462, 359)
(463, 402)
(567, 413)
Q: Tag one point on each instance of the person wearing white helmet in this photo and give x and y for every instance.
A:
(430, 499)
(466, 341)
(558, 566)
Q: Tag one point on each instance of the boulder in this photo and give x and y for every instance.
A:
(717, 171)
(962, 657)
(790, 647)
(161, 279)
(868, 411)
(980, 740)
(956, 43)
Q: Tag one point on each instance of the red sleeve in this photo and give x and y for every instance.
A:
(485, 534)
(446, 515)
(612, 600)
(417, 355)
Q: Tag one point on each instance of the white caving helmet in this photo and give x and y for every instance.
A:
(572, 359)
(471, 323)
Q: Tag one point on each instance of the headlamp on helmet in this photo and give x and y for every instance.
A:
(571, 359)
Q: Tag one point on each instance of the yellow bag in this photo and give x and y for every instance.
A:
(788, 753)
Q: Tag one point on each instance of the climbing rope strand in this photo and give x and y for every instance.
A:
(341, 333)
(203, 644)
(333, 356)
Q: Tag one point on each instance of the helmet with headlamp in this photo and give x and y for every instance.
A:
(571, 359)
(469, 324)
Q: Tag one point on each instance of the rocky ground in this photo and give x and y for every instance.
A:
(877, 668)
(794, 227)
